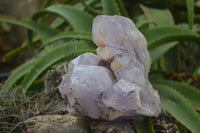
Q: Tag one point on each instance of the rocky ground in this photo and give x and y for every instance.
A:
(50, 115)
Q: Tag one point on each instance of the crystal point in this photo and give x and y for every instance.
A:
(114, 84)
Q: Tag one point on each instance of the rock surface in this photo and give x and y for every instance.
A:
(114, 84)
(56, 124)
(73, 124)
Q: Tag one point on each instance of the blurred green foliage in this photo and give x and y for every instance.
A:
(63, 29)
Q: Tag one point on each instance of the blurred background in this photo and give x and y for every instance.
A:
(12, 36)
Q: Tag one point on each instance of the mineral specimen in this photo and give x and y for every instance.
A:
(114, 84)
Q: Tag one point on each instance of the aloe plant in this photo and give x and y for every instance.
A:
(157, 25)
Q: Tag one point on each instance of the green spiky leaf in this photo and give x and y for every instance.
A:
(192, 94)
(41, 29)
(74, 35)
(196, 69)
(190, 11)
(179, 107)
(157, 52)
(122, 8)
(143, 23)
(149, 61)
(57, 22)
(164, 34)
(14, 52)
(36, 87)
(47, 3)
(110, 7)
(90, 8)
(18, 74)
(170, 60)
(52, 57)
(143, 125)
(162, 17)
(80, 20)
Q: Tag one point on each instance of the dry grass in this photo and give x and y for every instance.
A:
(14, 109)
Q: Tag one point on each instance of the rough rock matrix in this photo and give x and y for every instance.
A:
(114, 83)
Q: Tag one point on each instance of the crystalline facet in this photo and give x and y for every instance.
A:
(85, 59)
(86, 87)
(114, 84)
(120, 61)
(131, 72)
(125, 90)
(109, 51)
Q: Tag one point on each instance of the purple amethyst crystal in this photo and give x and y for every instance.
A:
(114, 84)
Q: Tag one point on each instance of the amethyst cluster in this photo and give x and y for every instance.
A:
(114, 83)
